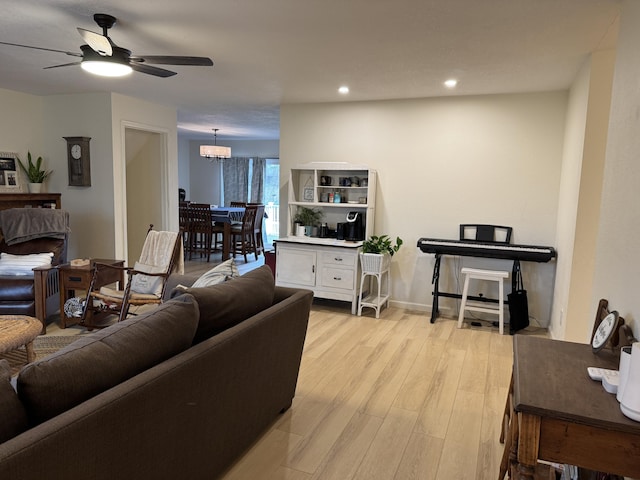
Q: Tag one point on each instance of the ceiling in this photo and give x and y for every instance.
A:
(270, 52)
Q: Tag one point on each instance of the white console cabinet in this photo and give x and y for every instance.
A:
(330, 271)
(328, 266)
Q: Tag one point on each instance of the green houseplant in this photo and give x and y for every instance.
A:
(377, 252)
(308, 217)
(34, 171)
(381, 244)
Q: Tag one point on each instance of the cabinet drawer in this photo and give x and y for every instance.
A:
(337, 278)
(338, 258)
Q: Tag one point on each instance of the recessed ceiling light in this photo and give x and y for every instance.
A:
(343, 90)
(451, 83)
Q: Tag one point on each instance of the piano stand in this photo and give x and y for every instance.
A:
(437, 293)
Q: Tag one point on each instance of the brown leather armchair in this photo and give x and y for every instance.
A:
(37, 296)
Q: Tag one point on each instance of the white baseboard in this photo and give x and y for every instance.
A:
(420, 307)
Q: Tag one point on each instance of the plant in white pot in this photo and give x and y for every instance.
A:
(377, 252)
(35, 173)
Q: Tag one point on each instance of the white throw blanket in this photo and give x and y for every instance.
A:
(158, 248)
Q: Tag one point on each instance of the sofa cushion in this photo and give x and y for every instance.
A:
(147, 284)
(227, 304)
(13, 417)
(218, 274)
(23, 264)
(16, 288)
(99, 361)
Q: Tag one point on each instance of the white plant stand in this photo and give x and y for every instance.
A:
(374, 265)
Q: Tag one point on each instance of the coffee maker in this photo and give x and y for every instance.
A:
(354, 228)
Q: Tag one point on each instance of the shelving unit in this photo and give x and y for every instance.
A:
(328, 266)
(307, 189)
(29, 200)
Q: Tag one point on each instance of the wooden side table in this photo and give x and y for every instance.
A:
(563, 416)
(74, 278)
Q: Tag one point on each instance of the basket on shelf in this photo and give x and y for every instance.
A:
(374, 262)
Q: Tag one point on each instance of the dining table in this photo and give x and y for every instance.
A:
(226, 216)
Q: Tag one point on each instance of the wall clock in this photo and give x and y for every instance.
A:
(605, 331)
(605, 328)
(79, 161)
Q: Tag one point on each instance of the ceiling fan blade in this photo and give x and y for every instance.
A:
(97, 42)
(63, 65)
(73, 54)
(174, 60)
(158, 72)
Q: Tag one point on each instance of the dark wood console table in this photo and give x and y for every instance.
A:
(565, 417)
(33, 200)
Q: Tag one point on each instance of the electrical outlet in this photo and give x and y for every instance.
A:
(561, 316)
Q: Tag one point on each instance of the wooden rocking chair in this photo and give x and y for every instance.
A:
(161, 255)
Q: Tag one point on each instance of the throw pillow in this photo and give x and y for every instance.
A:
(147, 284)
(101, 360)
(218, 274)
(13, 417)
(224, 305)
(23, 264)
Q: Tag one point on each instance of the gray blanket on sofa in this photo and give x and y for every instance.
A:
(24, 224)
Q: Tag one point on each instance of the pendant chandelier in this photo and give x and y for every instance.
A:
(215, 151)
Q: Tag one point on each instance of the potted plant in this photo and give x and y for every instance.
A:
(308, 218)
(35, 173)
(377, 252)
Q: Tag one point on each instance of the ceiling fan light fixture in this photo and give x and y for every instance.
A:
(215, 151)
(117, 65)
(106, 68)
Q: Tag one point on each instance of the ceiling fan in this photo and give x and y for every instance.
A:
(103, 57)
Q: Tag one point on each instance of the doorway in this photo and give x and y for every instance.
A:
(143, 154)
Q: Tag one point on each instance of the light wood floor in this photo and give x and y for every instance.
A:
(393, 398)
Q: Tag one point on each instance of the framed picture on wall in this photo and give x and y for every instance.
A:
(9, 173)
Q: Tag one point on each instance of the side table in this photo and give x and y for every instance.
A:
(74, 278)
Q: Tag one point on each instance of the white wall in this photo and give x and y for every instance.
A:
(617, 262)
(441, 162)
(21, 125)
(568, 195)
(184, 165)
(90, 208)
(580, 197)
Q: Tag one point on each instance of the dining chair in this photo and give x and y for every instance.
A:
(257, 228)
(243, 234)
(200, 230)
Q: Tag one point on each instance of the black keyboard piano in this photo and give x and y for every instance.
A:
(474, 248)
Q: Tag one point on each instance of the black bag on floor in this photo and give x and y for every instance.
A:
(518, 304)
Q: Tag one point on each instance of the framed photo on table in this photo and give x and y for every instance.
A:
(9, 173)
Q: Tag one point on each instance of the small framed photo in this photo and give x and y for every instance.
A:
(9, 173)
(308, 194)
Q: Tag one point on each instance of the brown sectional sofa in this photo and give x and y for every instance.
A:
(180, 392)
